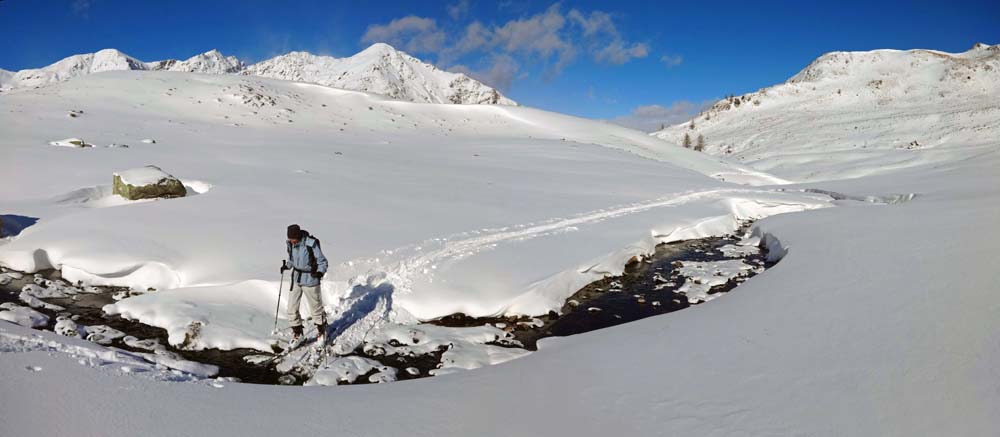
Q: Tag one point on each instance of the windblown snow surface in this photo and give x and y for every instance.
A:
(880, 319)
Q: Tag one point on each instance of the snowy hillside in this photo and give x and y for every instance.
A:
(287, 151)
(379, 69)
(5, 77)
(875, 109)
(881, 317)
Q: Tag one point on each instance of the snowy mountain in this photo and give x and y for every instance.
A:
(379, 69)
(210, 62)
(75, 66)
(883, 107)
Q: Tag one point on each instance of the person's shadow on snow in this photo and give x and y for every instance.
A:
(366, 299)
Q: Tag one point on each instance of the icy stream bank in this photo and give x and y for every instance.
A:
(676, 276)
(56, 305)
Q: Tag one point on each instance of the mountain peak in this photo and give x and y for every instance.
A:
(378, 69)
(381, 69)
(211, 62)
(379, 47)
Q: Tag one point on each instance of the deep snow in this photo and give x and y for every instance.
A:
(889, 334)
(479, 209)
(881, 318)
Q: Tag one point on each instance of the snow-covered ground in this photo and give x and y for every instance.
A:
(482, 210)
(881, 318)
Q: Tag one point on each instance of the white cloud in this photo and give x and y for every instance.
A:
(617, 53)
(605, 42)
(411, 33)
(475, 37)
(500, 73)
(650, 118)
(672, 61)
(458, 10)
(539, 35)
(551, 39)
(598, 22)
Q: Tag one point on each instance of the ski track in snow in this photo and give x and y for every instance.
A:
(367, 304)
(462, 245)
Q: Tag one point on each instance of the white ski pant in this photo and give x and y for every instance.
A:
(314, 300)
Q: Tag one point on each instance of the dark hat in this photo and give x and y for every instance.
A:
(294, 232)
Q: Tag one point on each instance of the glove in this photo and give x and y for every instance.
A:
(318, 275)
(284, 267)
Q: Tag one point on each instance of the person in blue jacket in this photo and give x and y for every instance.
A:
(308, 265)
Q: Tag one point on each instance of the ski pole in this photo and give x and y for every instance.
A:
(277, 306)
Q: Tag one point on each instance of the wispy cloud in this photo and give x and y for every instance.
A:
(551, 39)
(411, 33)
(606, 43)
(458, 10)
(651, 118)
(672, 61)
(618, 53)
(501, 71)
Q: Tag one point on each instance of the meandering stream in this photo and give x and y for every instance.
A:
(676, 276)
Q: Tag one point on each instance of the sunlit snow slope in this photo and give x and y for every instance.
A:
(851, 114)
(482, 209)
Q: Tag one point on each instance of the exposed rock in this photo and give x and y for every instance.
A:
(147, 182)
(71, 142)
(66, 326)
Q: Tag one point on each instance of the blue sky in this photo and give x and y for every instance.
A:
(656, 60)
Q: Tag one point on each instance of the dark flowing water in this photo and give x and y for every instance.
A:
(85, 309)
(638, 293)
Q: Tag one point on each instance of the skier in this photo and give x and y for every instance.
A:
(308, 265)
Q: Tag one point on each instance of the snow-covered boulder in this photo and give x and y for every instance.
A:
(23, 316)
(66, 326)
(147, 182)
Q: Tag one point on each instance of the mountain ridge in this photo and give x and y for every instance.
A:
(378, 69)
(883, 106)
